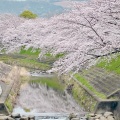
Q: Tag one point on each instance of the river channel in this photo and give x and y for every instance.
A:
(36, 96)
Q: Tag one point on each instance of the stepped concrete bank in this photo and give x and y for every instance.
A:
(92, 102)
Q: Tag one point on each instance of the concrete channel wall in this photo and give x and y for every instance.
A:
(8, 97)
(12, 94)
(89, 101)
(117, 112)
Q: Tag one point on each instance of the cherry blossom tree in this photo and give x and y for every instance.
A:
(86, 33)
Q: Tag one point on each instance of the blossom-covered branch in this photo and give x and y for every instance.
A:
(90, 30)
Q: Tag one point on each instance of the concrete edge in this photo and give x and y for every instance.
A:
(87, 90)
(99, 100)
(114, 92)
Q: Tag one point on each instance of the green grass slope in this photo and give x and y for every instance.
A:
(112, 65)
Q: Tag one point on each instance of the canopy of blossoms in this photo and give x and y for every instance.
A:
(90, 30)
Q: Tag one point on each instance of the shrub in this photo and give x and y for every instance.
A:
(28, 14)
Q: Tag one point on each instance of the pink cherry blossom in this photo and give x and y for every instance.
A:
(90, 30)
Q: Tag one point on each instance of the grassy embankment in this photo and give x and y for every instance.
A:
(29, 59)
(25, 58)
(85, 83)
(112, 65)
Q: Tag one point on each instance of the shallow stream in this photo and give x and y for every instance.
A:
(36, 97)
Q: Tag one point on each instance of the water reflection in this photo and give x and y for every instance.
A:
(43, 100)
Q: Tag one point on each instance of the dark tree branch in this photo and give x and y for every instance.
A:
(95, 31)
(107, 54)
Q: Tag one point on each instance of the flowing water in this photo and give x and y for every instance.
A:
(42, 100)
(38, 98)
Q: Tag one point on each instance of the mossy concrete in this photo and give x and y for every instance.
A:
(90, 101)
(81, 94)
(10, 90)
